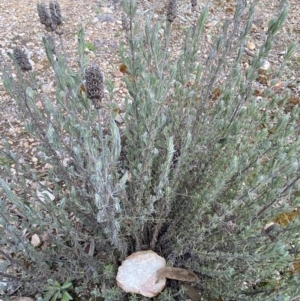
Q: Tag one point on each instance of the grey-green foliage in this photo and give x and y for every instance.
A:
(199, 178)
(77, 217)
(234, 166)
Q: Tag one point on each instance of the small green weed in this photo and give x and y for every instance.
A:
(56, 291)
(90, 46)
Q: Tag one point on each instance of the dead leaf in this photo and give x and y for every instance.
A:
(82, 90)
(123, 68)
(278, 85)
(189, 84)
(177, 274)
(192, 292)
(258, 92)
(216, 93)
(229, 9)
(293, 101)
(263, 79)
(296, 268)
(285, 218)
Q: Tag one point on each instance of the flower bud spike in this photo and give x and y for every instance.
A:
(55, 13)
(22, 59)
(45, 17)
(172, 10)
(94, 85)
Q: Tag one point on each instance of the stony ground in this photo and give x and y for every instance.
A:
(101, 21)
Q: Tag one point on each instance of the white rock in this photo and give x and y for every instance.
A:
(266, 65)
(106, 10)
(251, 46)
(138, 274)
(48, 166)
(92, 55)
(119, 118)
(35, 240)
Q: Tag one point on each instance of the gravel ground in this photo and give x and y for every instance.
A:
(101, 20)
